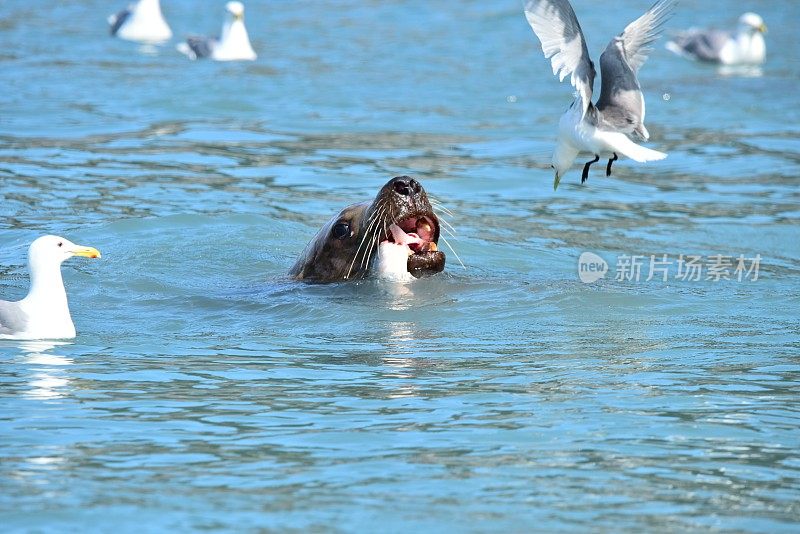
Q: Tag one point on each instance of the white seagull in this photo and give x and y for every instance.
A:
(141, 22)
(232, 45)
(601, 129)
(44, 312)
(745, 46)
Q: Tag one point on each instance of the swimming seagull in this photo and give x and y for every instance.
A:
(602, 129)
(141, 22)
(232, 45)
(745, 46)
(44, 312)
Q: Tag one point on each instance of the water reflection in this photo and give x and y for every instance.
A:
(148, 49)
(45, 461)
(48, 379)
(399, 360)
(741, 71)
(401, 334)
(400, 295)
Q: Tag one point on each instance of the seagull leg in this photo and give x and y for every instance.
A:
(585, 174)
(610, 161)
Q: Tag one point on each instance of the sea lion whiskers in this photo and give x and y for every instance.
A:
(440, 205)
(447, 227)
(374, 240)
(371, 220)
(377, 235)
(446, 242)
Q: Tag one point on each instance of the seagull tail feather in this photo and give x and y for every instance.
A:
(629, 149)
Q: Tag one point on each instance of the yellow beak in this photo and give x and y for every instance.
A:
(763, 28)
(556, 180)
(87, 252)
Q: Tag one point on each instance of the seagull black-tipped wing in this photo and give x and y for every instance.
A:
(116, 21)
(200, 46)
(555, 24)
(705, 45)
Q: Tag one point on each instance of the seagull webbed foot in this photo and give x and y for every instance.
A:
(585, 174)
(610, 161)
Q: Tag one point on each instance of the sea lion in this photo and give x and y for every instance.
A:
(395, 235)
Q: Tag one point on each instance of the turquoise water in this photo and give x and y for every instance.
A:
(206, 390)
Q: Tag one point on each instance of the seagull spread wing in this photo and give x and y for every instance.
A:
(621, 103)
(642, 32)
(555, 24)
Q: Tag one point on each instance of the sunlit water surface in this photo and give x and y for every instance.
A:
(207, 390)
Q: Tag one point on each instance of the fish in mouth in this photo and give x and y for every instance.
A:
(395, 236)
(409, 248)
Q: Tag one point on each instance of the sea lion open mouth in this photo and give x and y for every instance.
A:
(395, 236)
(419, 234)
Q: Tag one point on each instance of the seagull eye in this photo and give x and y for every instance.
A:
(341, 230)
(60, 243)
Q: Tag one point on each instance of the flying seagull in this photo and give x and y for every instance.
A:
(233, 43)
(44, 312)
(745, 46)
(602, 129)
(141, 22)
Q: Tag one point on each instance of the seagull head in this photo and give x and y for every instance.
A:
(53, 250)
(752, 23)
(563, 158)
(236, 9)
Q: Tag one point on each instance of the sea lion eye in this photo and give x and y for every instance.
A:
(341, 230)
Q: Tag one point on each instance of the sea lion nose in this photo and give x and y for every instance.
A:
(403, 185)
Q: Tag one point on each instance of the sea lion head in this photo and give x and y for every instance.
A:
(345, 248)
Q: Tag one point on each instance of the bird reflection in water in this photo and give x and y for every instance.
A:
(48, 379)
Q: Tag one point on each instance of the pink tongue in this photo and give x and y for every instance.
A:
(402, 238)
